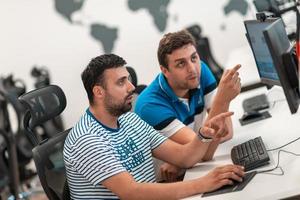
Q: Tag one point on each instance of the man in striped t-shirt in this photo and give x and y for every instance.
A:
(184, 93)
(108, 153)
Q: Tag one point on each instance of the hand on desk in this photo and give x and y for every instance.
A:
(221, 176)
(169, 173)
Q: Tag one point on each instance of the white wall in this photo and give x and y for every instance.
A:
(33, 33)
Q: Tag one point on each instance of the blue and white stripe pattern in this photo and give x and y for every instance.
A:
(94, 152)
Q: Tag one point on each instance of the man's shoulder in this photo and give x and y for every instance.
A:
(151, 91)
(152, 95)
(129, 116)
(154, 103)
(85, 127)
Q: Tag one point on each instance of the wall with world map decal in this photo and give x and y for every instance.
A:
(64, 35)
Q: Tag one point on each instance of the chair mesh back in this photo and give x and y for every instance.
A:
(133, 75)
(48, 158)
(4, 180)
(44, 104)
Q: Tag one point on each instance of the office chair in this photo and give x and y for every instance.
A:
(18, 149)
(134, 80)
(138, 88)
(44, 104)
(204, 51)
(42, 79)
(9, 180)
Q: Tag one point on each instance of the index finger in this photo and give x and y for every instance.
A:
(225, 114)
(235, 69)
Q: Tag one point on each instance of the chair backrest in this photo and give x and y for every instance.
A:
(4, 178)
(45, 104)
(42, 79)
(138, 87)
(205, 53)
(48, 158)
(133, 75)
(203, 49)
(10, 90)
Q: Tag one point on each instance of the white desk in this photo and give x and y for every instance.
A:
(276, 131)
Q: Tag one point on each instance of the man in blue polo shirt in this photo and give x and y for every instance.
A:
(177, 101)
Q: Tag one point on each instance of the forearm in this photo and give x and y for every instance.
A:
(192, 153)
(218, 106)
(178, 190)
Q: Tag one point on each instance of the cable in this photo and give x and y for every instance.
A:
(277, 165)
(274, 102)
(284, 145)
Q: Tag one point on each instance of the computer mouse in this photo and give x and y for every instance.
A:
(251, 115)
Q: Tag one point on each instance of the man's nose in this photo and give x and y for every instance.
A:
(191, 67)
(130, 87)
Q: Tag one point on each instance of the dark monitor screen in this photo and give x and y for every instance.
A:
(283, 57)
(266, 5)
(263, 59)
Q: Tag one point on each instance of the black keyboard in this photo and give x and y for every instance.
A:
(250, 154)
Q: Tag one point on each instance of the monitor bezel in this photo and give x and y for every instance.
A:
(291, 91)
(264, 80)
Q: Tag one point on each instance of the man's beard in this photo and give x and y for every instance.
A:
(117, 109)
(187, 85)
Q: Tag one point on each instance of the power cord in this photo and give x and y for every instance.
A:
(284, 145)
(278, 158)
(277, 165)
(274, 102)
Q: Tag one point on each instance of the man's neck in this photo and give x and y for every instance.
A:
(104, 117)
(182, 93)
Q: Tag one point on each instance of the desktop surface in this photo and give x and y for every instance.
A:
(276, 131)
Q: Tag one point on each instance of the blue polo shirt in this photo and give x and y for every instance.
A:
(159, 106)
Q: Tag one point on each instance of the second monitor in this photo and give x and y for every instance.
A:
(274, 57)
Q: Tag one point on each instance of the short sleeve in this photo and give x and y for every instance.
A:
(158, 115)
(94, 159)
(155, 137)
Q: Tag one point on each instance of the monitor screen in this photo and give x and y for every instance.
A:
(282, 53)
(266, 5)
(263, 59)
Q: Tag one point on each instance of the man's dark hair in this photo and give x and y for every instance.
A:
(171, 42)
(94, 72)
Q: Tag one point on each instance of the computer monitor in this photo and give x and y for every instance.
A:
(262, 55)
(284, 60)
(267, 5)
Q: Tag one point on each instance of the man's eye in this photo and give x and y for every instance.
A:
(180, 64)
(194, 58)
(121, 82)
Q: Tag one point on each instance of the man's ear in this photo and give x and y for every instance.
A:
(164, 70)
(98, 91)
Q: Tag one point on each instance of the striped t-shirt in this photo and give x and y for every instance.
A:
(94, 152)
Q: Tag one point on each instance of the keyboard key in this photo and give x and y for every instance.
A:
(251, 154)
